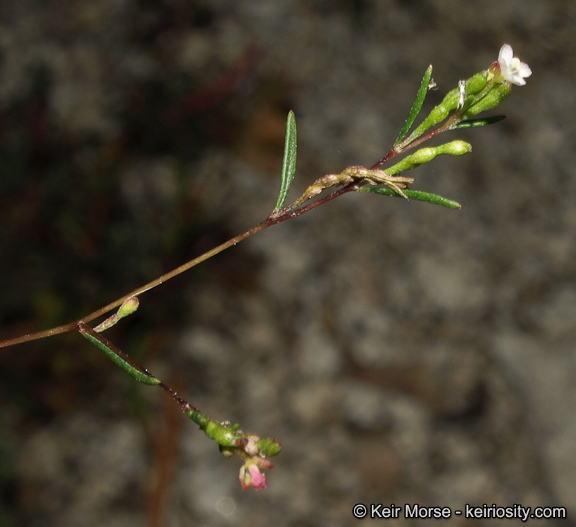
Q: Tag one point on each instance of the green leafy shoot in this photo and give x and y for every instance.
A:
(289, 162)
(417, 106)
(473, 123)
(417, 195)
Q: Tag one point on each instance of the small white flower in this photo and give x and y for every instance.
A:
(511, 68)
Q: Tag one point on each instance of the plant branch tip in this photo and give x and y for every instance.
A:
(481, 92)
(129, 306)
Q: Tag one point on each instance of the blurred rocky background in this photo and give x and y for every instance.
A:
(401, 352)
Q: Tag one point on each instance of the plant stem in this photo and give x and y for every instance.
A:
(273, 219)
(401, 148)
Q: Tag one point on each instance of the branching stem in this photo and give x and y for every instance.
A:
(273, 219)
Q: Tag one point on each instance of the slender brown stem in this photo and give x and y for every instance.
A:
(179, 270)
(390, 155)
(164, 278)
(445, 126)
(185, 405)
(401, 148)
(271, 220)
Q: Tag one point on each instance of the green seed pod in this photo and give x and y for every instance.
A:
(438, 114)
(221, 434)
(455, 148)
(492, 99)
(408, 163)
(476, 83)
(424, 155)
(269, 447)
(215, 431)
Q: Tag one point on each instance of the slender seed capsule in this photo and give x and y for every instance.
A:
(492, 99)
(424, 155)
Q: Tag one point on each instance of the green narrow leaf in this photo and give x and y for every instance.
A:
(417, 106)
(417, 195)
(117, 356)
(473, 123)
(289, 162)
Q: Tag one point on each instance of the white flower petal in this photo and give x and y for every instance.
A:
(525, 70)
(511, 69)
(506, 54)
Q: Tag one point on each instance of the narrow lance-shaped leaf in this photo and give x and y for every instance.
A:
(117, 356)
(289, 162)
(417, 195)
(417, 106)
(473, 123)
